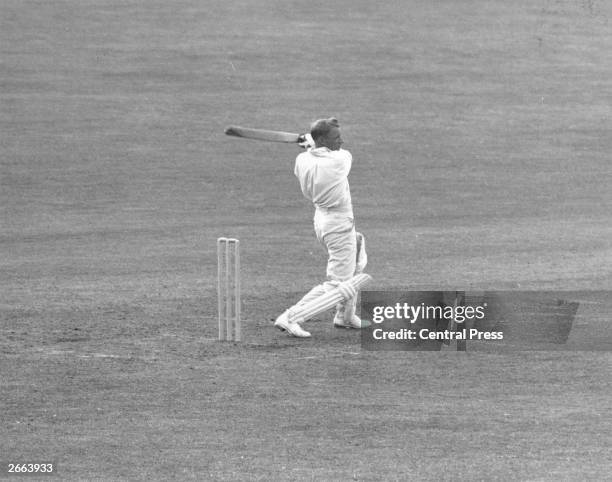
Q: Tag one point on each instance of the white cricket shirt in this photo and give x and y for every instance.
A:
(323, 176)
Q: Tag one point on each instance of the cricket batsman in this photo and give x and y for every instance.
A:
(322, 171)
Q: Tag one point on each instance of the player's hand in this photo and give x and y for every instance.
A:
(306, 141)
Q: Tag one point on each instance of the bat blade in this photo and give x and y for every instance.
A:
(263, 134)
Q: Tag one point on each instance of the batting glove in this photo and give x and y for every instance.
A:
(306, 141)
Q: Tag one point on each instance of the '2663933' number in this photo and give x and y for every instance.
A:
(30, 468)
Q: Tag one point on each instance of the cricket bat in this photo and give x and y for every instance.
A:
(264, 134)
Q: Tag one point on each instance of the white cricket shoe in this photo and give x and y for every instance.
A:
(284, 324)
(355, 322)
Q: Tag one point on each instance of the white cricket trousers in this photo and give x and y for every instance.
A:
(336, 232)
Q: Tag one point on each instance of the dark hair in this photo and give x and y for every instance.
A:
(321, 127)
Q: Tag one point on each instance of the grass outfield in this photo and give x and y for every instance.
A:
(481, 144)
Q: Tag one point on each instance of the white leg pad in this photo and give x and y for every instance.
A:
(345, 291)
(362, 256)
